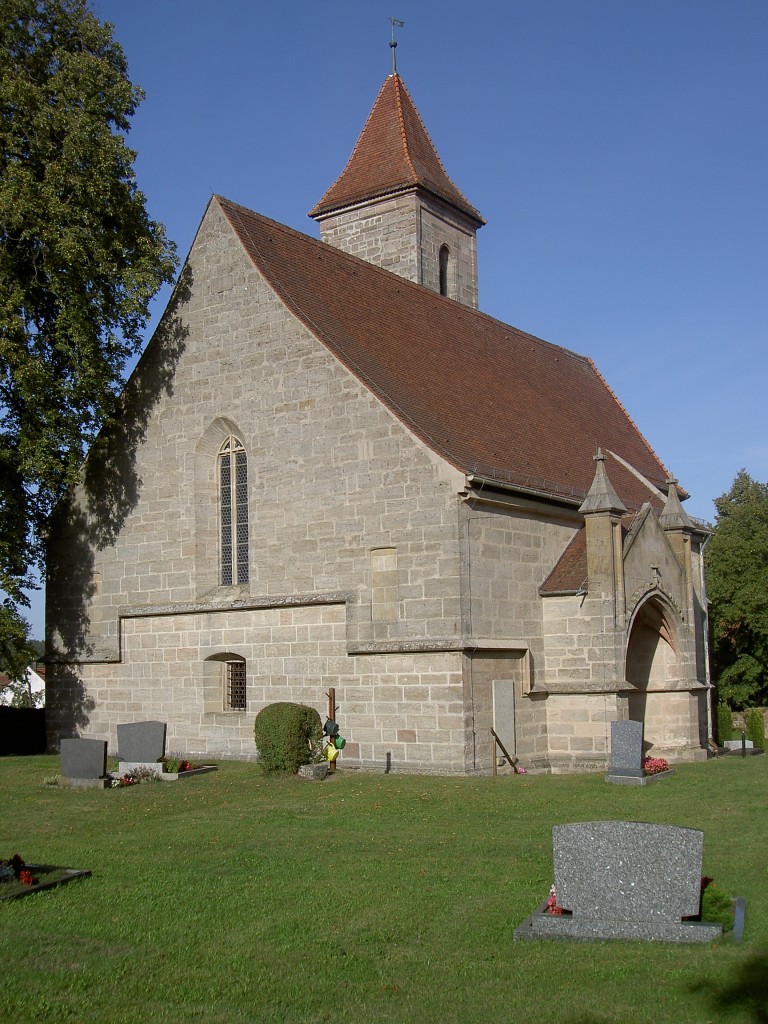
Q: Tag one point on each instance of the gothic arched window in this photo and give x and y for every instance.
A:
(443, 257)
(233, 512)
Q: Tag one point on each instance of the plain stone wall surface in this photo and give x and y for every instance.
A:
(508, 552)
(407, 706)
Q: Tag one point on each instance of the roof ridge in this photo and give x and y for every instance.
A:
(354, 150)
(401, 118)
(623, 408)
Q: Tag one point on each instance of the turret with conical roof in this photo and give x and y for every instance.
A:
(603, 509)
(395, 206)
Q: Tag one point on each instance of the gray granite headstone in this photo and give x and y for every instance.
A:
(84, 759)
(626, 749)
(625, 880)
(141, 742)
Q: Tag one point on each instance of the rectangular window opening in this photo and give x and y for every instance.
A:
(236, 685)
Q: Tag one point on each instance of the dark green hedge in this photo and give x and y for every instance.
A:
(285, 736)
(756, 729)
(724, 723)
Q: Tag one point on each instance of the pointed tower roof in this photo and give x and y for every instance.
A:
(674, 516)
(601, 496)
(394, 153)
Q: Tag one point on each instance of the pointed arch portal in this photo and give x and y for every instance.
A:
(652, 668)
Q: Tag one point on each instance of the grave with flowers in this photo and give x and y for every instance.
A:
(18, 878)
(627, 766)
(142, 756)
(626, 880)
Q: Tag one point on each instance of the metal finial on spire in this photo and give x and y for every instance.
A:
(393, 42)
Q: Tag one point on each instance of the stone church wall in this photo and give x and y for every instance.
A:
(400, 712)
(333, 477)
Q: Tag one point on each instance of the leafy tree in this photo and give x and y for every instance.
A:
(736, 562)
(80, 260)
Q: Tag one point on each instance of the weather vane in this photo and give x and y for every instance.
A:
(393, 42)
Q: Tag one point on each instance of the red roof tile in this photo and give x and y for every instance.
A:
(569, 575)
(490, 399)
(394, 152)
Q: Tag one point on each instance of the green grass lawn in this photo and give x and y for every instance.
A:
(234, 897)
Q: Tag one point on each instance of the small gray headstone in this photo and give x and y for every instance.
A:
(84, 759)
(625, 880)
(626, 750)
(141, 741)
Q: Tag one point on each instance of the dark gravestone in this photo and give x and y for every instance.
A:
(625, 880)
(141, 742)
(626, 764)
(84, 759)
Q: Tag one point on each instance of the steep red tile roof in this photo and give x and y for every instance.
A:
(394, 152)
(490, 399)
(569, 575)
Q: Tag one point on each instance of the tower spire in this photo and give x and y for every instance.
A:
(393, 42)
(394, 204)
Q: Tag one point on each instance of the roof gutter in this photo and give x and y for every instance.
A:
(473, 480)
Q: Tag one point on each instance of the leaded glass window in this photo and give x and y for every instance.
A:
(233, 509)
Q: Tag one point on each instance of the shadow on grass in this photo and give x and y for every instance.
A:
(747, 991)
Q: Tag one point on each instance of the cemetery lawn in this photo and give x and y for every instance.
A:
(235, 897)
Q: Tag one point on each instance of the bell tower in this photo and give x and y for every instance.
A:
(395, 206)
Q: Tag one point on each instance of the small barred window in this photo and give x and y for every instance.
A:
(235, 699)
(233, 510)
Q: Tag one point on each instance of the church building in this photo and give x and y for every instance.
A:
(333, 471)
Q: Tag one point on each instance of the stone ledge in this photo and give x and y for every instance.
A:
(232, 605)
(542, 925)
(638, 780)
(65, 782)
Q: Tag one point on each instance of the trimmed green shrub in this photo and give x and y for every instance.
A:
(756, 728)
(724, 723)
(286, 734)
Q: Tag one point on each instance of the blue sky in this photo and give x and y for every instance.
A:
(617, 149)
